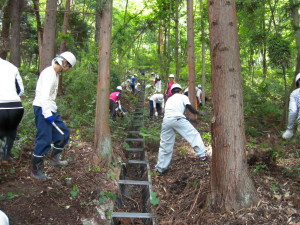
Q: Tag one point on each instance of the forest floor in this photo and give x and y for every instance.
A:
(77, 193)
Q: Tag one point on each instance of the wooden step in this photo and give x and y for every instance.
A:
(134, 139)
(131, 215)
(134, 182)
(135, 149)
(136, 161)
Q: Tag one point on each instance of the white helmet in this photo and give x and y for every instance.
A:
(135, 75)
(153, 73)
(171, 75)
(69, 57)
(176, 86)
(119, 88)
(138, 84)
(297, 77)
(199, 86)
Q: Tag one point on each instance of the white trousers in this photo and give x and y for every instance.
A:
(167, 140)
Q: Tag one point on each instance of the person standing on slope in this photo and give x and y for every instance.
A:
(11, 109)
(46, 115)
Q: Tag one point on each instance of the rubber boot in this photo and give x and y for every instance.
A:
(54, 158)
(7, 147)
(1, 148)
(38, 168)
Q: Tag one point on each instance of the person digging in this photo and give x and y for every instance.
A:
(47, 117)
(174, 120)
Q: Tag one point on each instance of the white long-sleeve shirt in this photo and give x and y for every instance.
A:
(158, 98)
(198, 93)
(294, 107)
(46, 91)
(11, 84)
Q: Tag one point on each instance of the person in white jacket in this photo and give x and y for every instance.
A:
(157, 82)
(46, 115)
(198, 93)
(157, 104)
(11, 109)
(175, 121)
(294, 106)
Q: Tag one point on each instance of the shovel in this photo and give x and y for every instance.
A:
(61, 132)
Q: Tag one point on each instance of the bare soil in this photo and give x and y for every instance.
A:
(73, 192)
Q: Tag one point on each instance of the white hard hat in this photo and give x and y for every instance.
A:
(171, 75)
(199, 86)
(119, 88)
(69, 57)
(152, 73)
(3, 218)
(176, 86)
(135, 75)
(297, 77)
(138, 84)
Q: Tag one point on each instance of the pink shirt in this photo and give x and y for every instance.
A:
(169, 93)
(114, 96)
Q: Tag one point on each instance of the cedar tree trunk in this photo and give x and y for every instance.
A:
(48, 47)
(231, 186)
(102, 130)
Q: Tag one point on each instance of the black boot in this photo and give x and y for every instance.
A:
(7, 147)
(5, 150)
(54, 158)
(38, 168)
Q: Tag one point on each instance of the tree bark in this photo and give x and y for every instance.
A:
(176, 30)
(231, 186)
(48, 47)
(15, 52)
(203, 51)
(97, 29)
(102, 131)
(191, 55)
(39, 25)
(63, 43)
(5, 30)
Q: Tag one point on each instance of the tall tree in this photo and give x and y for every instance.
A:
(49, 34)
(231, 186)
(203, 53)
(63, 43)
(5, 30)
(176, 30)
(191, 54)
(102, 138)
(39, 25)
(16, 12)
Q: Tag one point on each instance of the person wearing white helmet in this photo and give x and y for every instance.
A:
(46, 116)
(138, 87)
(157, 104)
(115, 102)
(174, 120)
(169, 85)
(198, 92)
(157, 82)
(294, 106)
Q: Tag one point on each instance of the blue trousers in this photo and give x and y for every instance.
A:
(158, 108)
(47, 133)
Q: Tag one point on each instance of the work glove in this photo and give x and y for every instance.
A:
(288, 134)
(50, 119)
(156, 114)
